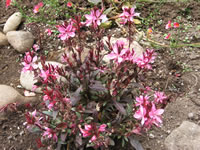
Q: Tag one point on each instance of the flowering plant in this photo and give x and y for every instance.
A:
(88, 100)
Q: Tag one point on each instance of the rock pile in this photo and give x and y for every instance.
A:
(21, 40)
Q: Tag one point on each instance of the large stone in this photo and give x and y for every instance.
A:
(13, 22)
(3, 40)
(27, 79)
(9, 95)
(21, 40)
(185, 137)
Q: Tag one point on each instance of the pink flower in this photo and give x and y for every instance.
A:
(146, 89)
(69, 4)
(94, 138)
(141, 114)
(102, 128)
(128, 14)
(29, 62)
(46, 97)
(142, 100)
(145, 60)
(155, 115)
(176, 24)
(66, 31)
(92, 130)
(44, 74)
(50, 134)
(159, 97)
(8, 2)
(149, 31)
(168, 36)
(66, 100)
(87, 131)
(51, 105)
(37, 7)
(118, 52)
(36, 47)
(95, 18)
(48, 31)
(137, 130)
(168, 25)
(34, 88)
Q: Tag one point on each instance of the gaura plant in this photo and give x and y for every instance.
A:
(92, 100)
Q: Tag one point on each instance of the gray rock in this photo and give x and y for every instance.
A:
(3, 39)
(9, 95)
(27, 79)
(185, 137)
(20, 40)
(13, 22)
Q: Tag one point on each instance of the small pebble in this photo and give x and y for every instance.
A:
(21, 133)
(151, 136)
(190, 115)
(19, 86)
(10, 137)
(168, 131)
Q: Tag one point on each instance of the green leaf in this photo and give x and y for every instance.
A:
(34, 129)
(136, 21)
(107, 11)
(78, 115)
(106, 25)
(48, 113)
(95, 1)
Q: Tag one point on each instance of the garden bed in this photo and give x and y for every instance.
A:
(172, 71)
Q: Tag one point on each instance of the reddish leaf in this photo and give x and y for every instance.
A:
(76, 96)
(62, 125)
(39, 143)
(97, 86)
(119, 107)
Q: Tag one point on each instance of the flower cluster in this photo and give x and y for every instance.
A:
(120, 53)
(66, 31)
(91, 130)
(8, 2)
(95, 18)
(128, 14)
(37, 7)
(145, 60)
(170, 25)
(48, 31)
(29, 62)
(147, 111)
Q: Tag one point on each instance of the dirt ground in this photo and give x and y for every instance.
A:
(176, 72)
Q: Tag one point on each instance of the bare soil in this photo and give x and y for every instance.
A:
(176, 72)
